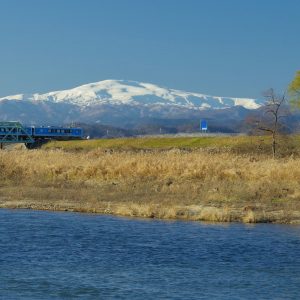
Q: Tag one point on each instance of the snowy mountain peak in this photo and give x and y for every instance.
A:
(118, 92)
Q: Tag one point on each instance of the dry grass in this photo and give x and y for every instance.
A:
(196, 185)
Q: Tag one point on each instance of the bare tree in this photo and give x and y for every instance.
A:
(273, 112)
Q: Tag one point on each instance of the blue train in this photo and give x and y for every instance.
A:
(53, 132)
(33, 136)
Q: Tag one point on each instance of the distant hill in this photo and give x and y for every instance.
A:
(126, 107)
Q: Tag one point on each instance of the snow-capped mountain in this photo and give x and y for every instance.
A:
(135, 93)
(116, 101)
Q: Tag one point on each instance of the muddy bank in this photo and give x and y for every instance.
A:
(114, 202)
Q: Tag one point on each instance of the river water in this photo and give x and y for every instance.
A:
(47, 255)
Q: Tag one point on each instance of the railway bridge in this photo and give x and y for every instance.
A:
(35, 136)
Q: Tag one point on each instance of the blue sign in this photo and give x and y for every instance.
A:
(203, 125)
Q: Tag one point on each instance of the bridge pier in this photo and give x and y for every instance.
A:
(36, 144)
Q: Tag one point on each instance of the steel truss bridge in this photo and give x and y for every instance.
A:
(33, 137)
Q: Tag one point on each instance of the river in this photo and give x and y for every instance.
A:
(56, 255)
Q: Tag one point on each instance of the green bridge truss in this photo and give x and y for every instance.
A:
(14, 132)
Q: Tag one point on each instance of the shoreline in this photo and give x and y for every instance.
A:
(248, 219)
(195, 213)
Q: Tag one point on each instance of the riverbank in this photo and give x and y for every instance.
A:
(201, 184)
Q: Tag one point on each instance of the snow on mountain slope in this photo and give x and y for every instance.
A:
(118, 92)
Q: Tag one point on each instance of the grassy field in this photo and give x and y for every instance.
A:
(152, 143)
(211, 179)
(287, 145)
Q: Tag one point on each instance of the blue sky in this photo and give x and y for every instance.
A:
(225, 48)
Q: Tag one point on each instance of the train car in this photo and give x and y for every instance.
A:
(33, 137)
(56, 133)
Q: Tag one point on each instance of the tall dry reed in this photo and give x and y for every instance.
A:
(159, 180)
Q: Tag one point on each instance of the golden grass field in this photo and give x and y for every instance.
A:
(259, 145)
(228, 182)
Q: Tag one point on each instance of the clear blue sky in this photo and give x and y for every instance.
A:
(225, 48)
